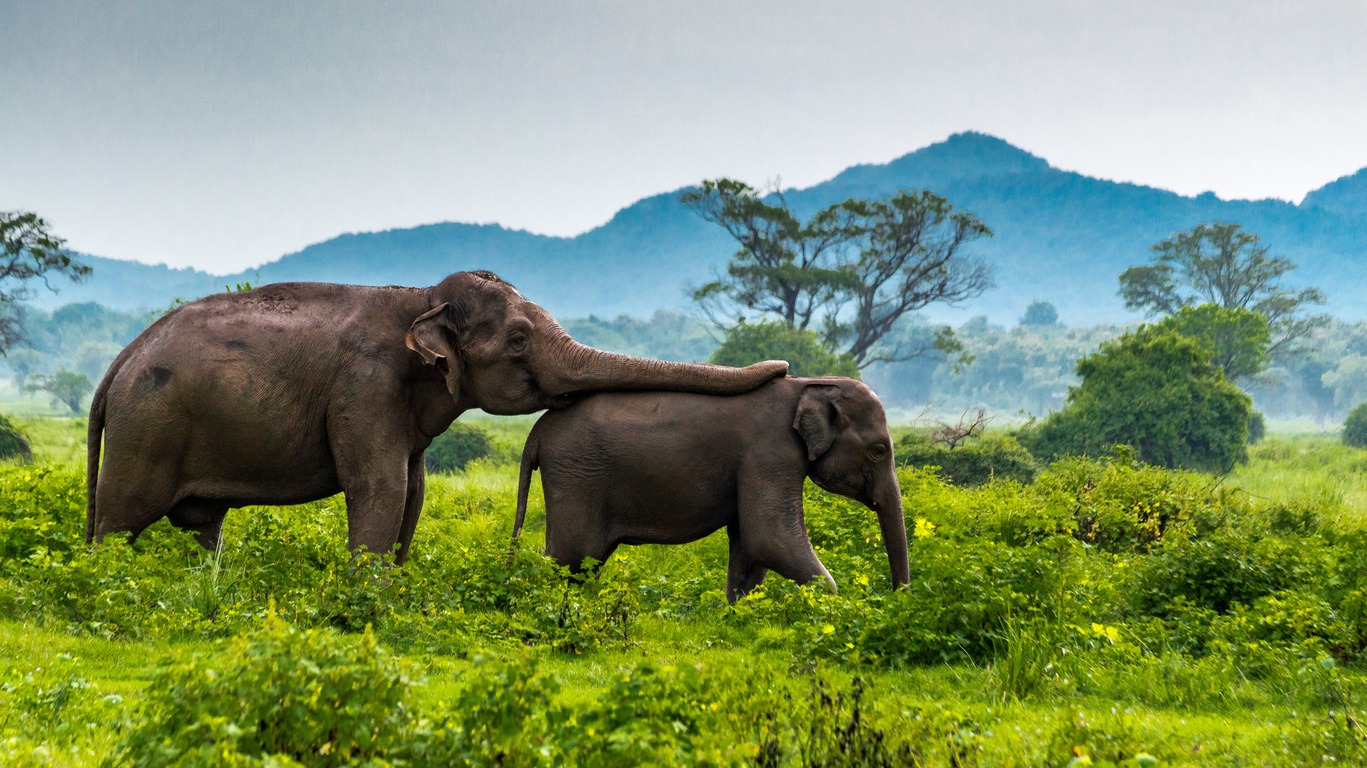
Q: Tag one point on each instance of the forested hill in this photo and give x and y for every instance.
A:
(1060, 237)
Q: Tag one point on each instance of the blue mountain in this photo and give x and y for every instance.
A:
(1060, 236)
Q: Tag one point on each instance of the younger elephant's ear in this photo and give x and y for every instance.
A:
(433, 336)
(818, 417)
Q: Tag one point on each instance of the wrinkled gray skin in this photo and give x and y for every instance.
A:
(669, 468)
(293, 392)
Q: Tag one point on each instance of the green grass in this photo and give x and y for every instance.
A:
(1055, 655)
(1306, 467)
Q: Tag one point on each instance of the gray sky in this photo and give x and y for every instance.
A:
(223, 135)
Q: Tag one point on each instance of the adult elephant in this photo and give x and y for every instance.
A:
(296, 391)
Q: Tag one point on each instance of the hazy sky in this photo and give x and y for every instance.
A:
(224, 134)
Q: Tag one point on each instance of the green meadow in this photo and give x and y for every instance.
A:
(1107, 613)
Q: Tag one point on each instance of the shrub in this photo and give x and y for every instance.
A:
(972, 463)
(500, 715)
(13, 441)
(1355, 427)
(748, 343)
(1157, 392)
(455, 448)
(313, 696)
(1257, 428)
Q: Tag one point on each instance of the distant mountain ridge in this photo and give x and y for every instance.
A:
(1060, 236)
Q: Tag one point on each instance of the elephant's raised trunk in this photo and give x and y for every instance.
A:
(585, 369)
(888, 505)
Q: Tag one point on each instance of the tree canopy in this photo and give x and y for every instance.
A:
(1219, 263)
(29, 253)
(850, 271)
(1238, 338)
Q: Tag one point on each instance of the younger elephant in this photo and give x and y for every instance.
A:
(670, 467)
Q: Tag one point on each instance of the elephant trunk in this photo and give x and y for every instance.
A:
(889, 508)
(585, 369)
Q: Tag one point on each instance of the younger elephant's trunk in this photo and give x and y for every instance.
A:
(577, 368)
(894, 532)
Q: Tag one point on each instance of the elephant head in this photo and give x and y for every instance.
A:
(506, 355)
(849, 450)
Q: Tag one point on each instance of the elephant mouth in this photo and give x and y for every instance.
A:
(564, 400)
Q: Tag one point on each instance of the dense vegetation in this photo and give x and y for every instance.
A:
(1108, 610)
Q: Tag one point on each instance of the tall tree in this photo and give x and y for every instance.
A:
(29, 253)
(1219, 263)
(783, 265)
(66, 387)
(851, 270)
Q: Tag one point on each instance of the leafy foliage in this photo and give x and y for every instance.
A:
(747, 343)
(1157, 392)
(454, 449)
(1238, 338)
(310, 696)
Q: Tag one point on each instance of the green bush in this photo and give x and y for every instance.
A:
(312, 696)
(13, 441)
(1355, 427)
(1257, 428)
(455, 448)
(974, 462)
(1157, 392)
(747, 343)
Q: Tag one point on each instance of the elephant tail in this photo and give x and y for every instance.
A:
(94, 435)
(530, 461)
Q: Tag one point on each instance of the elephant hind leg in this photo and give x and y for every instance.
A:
(202, 517)
(574, 523)
(571, 548)
(412, 506)
(129, 507)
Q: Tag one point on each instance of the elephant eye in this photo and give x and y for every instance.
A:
(517, 344)
(878, 451)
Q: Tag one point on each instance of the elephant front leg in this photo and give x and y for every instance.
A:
(373, 473)
(742, 573)
(374, 512)
(773, 534)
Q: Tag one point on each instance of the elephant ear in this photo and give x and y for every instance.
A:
(433, 336)
(818, 417)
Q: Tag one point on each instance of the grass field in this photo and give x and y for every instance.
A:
(1106, 614)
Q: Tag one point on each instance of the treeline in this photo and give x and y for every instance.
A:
(82, 338)
(1027, 367)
